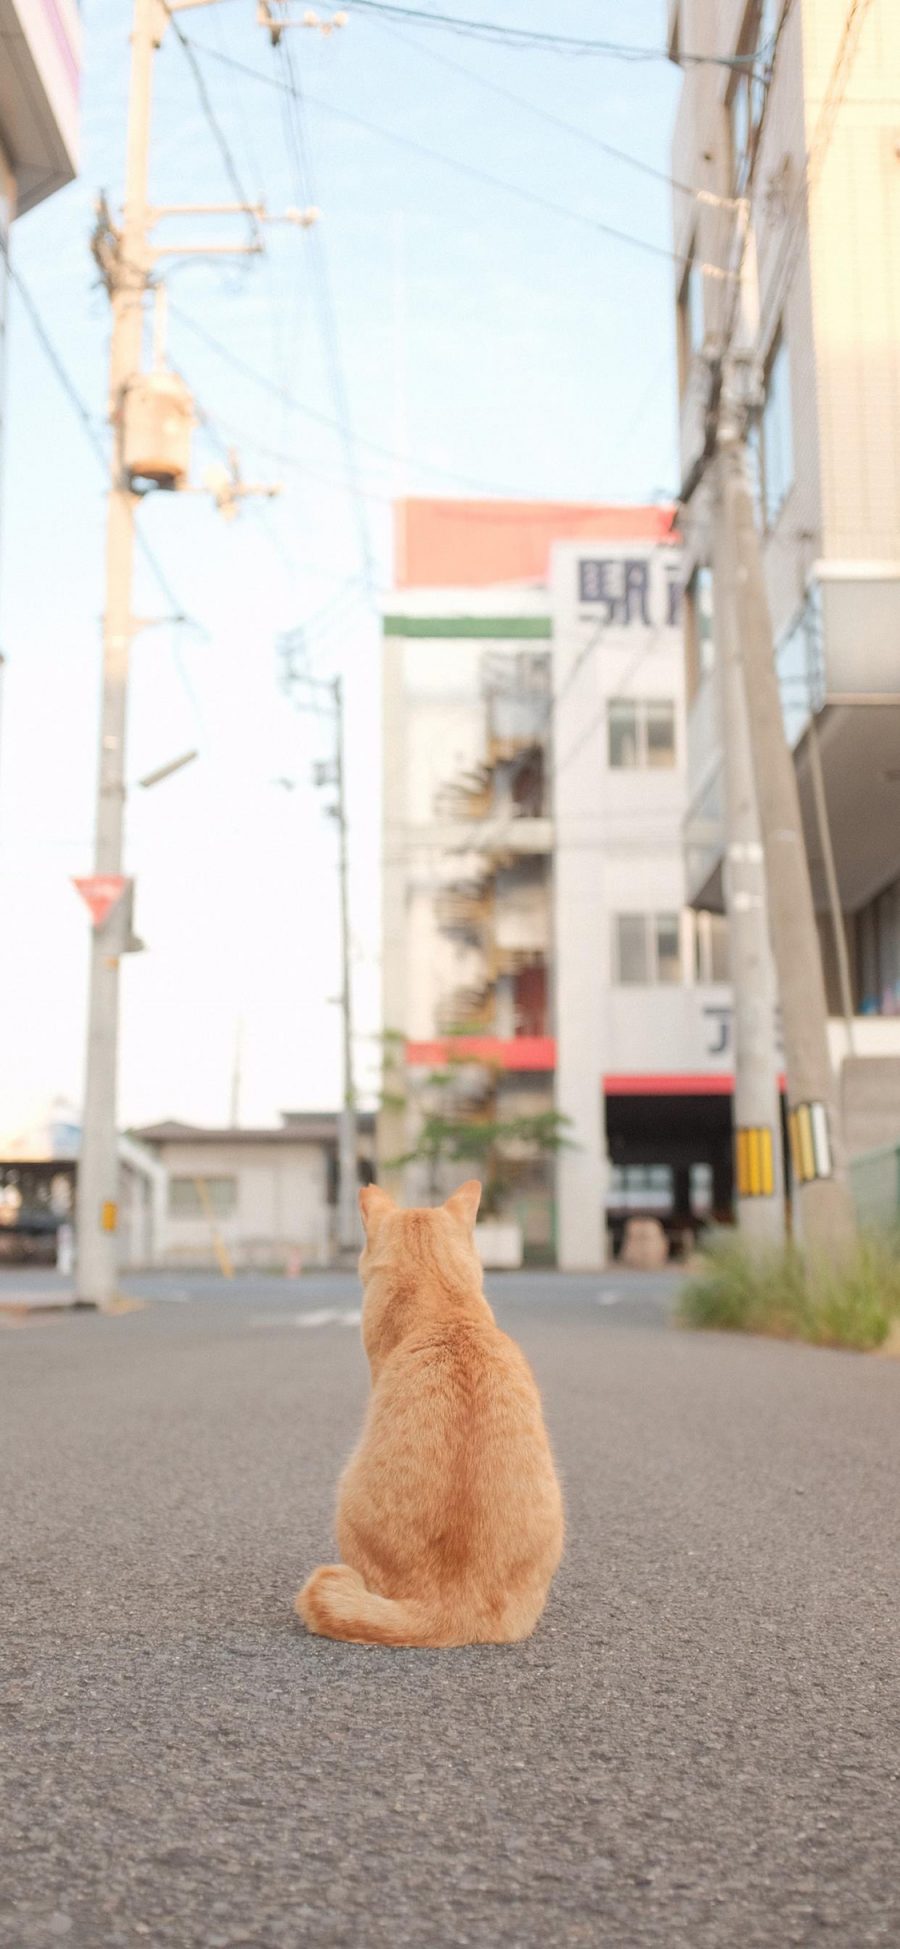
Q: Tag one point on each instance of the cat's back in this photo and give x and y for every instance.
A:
(462, 1385)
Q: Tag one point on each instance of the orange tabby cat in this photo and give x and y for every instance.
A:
(449, 1514)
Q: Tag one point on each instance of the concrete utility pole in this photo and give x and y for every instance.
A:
(98, 1169)
(758, 1151)
(348, 1146)
(151, 420)
(824, 1208)
(332, 773)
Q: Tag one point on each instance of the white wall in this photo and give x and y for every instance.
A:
(618, 849)
(281, 1203)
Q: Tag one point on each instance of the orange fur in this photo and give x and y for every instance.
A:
(449, 1514)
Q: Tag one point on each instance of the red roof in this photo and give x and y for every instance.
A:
(471, 544)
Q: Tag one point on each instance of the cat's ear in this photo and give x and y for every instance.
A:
(374, 1204)
(465, 1202)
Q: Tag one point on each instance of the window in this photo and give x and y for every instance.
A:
(641, 1186)
(701, 1183)
(640, 733)
(632, 948)
(877, 928)
(777, 442)
(659, 727)
(668, 947)
(698, 627)
(711, 961)
(647, 949)
(623, 735)
(195, 1198)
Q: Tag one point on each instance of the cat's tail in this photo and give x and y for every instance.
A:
(334, 1603)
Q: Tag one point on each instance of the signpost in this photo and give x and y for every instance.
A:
(100, 891)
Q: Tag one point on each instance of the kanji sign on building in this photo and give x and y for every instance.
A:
(100, 892)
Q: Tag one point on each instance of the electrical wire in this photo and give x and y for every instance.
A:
(289, 400)
(90, 425)
(478, 175)
(713, 411)
(328, 324)
(546, 115)
(215, 126)
(90, 428)
(534, 37)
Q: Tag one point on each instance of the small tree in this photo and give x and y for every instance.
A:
(498, 1149)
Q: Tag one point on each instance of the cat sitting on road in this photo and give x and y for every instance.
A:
(449, 1516)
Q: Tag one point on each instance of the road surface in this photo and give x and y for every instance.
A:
(700, 1746)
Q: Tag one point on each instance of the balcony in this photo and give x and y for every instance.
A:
(838, 665)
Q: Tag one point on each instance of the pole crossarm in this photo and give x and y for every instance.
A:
(158, 211)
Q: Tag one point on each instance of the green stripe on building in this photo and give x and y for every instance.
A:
(484, 626)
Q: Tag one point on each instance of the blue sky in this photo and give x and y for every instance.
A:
(486, 342)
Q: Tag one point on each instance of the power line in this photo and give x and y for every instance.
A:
(286, 398)
(328, 325)
(712, 415)
(547, 115)
(284, 457)
(475, 174)
(88, 424)
(533, 37)
(88, 421)
(218, 133)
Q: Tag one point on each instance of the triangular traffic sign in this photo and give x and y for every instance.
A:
(100, 891)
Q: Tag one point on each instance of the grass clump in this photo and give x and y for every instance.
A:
(791, 1297)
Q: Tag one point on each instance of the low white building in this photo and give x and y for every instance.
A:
(188, 1196)
(263, 1198)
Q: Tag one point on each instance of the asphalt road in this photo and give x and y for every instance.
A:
(700, 1746)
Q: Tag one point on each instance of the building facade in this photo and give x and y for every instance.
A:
(189, 1196)
(263, 1198)
(40, 64)
(801, 121)
(536, 934)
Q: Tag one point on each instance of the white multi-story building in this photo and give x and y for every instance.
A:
(798, 114)
(534, 885)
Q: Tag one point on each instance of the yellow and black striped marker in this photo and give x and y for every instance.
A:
(754, 1162)
(810, 1142)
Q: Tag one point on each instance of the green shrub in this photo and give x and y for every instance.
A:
(791, 1297)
